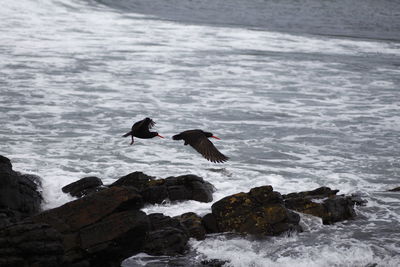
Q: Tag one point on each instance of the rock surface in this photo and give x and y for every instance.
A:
(259, 212)
(101, 229)
(167, 236)
(396, 189)
(193, 224)
(322, 202)
(185, 187)
(30, 244)
(83, 187)
(19, 195)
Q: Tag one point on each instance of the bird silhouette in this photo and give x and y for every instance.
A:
(198, 139)
(141, 129)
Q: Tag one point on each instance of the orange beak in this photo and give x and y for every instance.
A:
(216, 137)
(160, 136)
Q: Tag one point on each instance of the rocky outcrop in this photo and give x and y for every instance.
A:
(84, 187)
(30, 244)
(185, 187)
(19, 195)
(193, 224)
(167, 236)
(101, 229)
(322, 202)
(106, 225)
(259, 212)
(396, 189)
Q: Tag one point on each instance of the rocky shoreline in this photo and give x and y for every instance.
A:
(105, 225)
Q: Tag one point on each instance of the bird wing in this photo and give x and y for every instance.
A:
(143, 125)
(206, 148)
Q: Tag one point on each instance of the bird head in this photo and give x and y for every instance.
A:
(210, 135)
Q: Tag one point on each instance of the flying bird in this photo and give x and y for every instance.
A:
(141, 129)
(198, 139)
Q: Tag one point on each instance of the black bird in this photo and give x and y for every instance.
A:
(141, 129)
(198, 139)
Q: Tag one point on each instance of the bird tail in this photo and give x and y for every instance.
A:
(127, 134)
(177, 137)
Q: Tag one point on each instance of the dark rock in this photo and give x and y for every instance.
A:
(322, 202)
(168, 236)
(30, 244)
(154, 194)
(84, 186)
(259, 213)
(210, 224)
(185, 187)
(159, 221)
(396, 189)
(189, 187)
(166, 241)
(358, 200)
(19, 196)
(193, 224)
(213, 263)
(102, 228)
(138, 180)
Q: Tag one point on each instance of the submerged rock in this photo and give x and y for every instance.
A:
(259, 212)
(322, 202)
(396, 189)
(19, 195)
(84, 186)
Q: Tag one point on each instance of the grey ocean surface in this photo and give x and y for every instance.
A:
(302, 93)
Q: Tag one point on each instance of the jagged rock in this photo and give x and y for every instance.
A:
(396, 189)
(102, 228)
(166, 241)
(260, 213)
(168, 236)
(19, 196)
(159, 221)
(30, 244)
(84, 186)
(322, 202)
(193, 224)
(185, 187)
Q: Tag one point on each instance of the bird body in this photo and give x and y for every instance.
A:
(198, 139)
(141, 129)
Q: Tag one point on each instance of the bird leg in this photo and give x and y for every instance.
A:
(132, 140)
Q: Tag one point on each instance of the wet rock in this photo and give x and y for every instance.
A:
(322, 202)
(138, 180)
(166, 241)
(167, 236)
(193, 224)
(396, 189)
(189, 187)
(259, 212)
(102, 228)
(210, 224)
(213, 263)
(83, 187)
(30, 244)
(185, 187)
(159, 221)
(19, 195)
